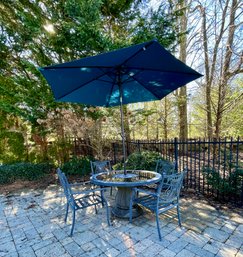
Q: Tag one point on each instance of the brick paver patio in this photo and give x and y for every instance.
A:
(31, 224)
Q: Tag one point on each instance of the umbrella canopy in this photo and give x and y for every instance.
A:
(140, 73)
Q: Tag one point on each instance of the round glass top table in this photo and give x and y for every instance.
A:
(124, 184)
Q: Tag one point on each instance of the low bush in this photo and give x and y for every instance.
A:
(228, 185)
(145, 160)
(23, 171)
(77, 166)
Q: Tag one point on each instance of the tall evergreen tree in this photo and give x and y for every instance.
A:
(39, 33)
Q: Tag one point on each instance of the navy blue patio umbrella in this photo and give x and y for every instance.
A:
(139, 73)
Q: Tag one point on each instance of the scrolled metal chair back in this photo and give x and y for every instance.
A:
(165, 167)
(170, 186)
(100, 166)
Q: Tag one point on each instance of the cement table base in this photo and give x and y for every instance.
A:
(124, 214)
(122, 201)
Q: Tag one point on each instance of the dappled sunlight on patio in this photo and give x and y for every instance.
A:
(32, 224)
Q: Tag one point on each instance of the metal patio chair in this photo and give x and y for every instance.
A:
(81, 199)
(165, 198)
(165, 167)
(101, 166)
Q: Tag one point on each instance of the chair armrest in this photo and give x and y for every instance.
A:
(145, 192)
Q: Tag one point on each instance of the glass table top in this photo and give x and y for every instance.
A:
(132, 178)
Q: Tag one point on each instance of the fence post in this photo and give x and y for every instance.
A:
(237, 152)
(139, 150)
(176, 153)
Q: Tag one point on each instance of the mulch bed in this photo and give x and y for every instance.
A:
(20, 185)
(50, 179)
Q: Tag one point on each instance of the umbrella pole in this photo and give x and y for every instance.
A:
(122, 122)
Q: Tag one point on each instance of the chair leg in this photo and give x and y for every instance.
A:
(67, 207)
(104, 202)
(108, 214)
(73, 223)
(111, 191)
(178, 214)
(102, 198)
(157, 221)
(96, 211)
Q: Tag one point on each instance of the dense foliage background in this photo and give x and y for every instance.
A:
(35, 128)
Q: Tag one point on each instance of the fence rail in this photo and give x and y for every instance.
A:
(215, 166)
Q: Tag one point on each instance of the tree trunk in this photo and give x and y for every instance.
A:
(165, 123)
(99, 141)
(207, 76)
(147, 126)
(42, 142)
(183, 113)
(182, 103)
(225, 70)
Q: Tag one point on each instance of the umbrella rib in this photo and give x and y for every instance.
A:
(131, 77)
(147, 88)
(112, 67)
(71, 91)
(130, 57)
(112, 87)
(75, 67)
(141, 49)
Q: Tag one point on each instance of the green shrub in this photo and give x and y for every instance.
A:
(12, 148)
(230, 184)
(6, 174)
(77, 166)
(145, 160)
(24, 171)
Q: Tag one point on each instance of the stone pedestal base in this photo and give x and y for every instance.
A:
(122, 201)
(124, 214)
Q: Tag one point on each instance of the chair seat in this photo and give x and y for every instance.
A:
(150, 202)
(147, 201)
(87, 200)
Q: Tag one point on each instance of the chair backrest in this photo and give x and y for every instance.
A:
(100, 166)
(165, 167)
(170, 186)
(66, 187)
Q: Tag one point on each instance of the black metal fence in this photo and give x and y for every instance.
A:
(215, 166)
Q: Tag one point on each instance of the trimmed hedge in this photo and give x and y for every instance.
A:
(23, 171)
